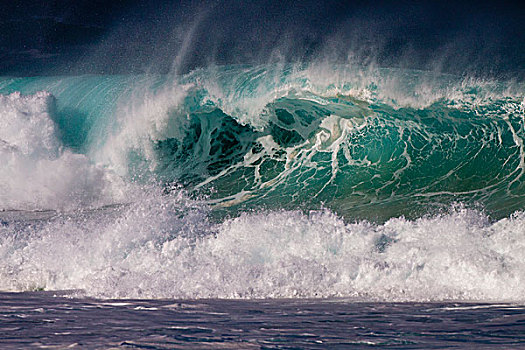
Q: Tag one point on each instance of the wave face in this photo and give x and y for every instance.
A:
(242, 181)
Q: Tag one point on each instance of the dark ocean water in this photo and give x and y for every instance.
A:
(48, 320)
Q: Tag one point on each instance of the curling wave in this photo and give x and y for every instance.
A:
(366, 144)
(266, 181)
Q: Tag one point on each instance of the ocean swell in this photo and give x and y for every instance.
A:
(265, 181)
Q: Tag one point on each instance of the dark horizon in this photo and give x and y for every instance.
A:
(131, 36)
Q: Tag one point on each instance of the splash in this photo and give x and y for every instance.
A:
(263, 181)
(166, 247)
(37, 172)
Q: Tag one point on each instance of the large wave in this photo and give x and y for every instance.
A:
(265, 181)
(366, 143)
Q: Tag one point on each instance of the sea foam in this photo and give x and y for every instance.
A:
(37, 172)
(188, 187)
(165, 246)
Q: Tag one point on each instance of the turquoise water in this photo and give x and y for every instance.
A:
(272, 181)
(268, 175)
(367, 146)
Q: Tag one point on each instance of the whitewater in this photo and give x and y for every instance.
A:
(269, 181)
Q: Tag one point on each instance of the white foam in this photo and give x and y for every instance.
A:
(142, 118)
(36, 171)
(165, 247)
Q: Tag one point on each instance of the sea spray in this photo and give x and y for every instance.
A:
(37, 172)
(164, 247)
(264, 181)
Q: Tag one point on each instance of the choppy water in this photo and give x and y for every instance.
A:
(45, 320)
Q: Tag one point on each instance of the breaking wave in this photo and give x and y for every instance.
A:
(265, 181)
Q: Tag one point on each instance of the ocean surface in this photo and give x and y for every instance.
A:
(46, 320)
(268, 206)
